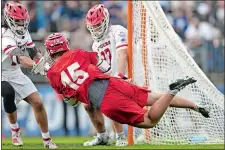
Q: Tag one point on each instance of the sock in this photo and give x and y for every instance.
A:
(102, 134)
(46, 135)
(14, 126)
(173, 92)
(119, 134)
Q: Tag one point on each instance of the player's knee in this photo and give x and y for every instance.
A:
(152, 122)
(7, 90)
(38, 105)
(35, 101)
(148, 122)
(8, 95)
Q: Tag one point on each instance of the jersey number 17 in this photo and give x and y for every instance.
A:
(106, 55)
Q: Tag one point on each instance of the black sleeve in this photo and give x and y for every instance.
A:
(32, 52)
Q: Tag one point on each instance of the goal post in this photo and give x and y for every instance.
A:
(144, 56)
(129, 28)
(157, 57)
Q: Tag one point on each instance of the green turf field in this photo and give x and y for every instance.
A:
(76, 143)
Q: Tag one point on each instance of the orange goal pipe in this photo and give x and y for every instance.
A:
(130, 54)
(144, 54)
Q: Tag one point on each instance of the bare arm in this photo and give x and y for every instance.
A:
(122, 60)
(35, 56)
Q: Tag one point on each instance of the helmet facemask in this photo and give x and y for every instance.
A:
(18, 27)
(99, 31)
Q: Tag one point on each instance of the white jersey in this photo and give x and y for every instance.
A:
(13, 45)
(107, 48)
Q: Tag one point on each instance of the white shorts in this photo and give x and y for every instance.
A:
(22, 84)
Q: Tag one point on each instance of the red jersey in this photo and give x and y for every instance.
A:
(72, 74)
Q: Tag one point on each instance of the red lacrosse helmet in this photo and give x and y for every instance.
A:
(97, 21)
(17, 17)
(56, 42)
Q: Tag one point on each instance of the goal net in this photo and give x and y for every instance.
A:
(158, 59)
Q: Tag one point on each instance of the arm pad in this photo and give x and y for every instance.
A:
(104, 67)
(33, 52)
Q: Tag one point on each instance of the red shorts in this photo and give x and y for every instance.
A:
(123, 102)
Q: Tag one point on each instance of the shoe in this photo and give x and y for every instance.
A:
(16, 137)
(121, 140)
(102, 140)
(181, 83)
(49, 144)
(204, 112)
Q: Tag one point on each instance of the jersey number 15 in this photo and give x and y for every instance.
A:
(77, 76)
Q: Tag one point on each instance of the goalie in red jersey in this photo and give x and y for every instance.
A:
(78, 75)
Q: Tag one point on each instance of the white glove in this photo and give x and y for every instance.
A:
(104, 67)
(41, 67)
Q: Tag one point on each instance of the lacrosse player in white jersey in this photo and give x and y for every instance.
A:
(110, 41)
(16, 86)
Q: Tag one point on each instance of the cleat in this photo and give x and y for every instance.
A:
(16, 137)
(121, 141)
(49, 144)
(181, 83)
(103, 140)
(204, 112)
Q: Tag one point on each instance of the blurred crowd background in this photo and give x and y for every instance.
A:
(200, 25)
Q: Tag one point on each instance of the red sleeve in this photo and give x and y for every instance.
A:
(52, 80)
(93, 57)
(59, 96)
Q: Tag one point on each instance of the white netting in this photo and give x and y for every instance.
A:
(159, 58)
